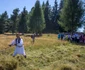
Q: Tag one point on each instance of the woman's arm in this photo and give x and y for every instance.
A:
(12, 43)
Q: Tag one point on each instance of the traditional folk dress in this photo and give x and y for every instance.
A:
(19, 49)
(81, 38)
(84, 39)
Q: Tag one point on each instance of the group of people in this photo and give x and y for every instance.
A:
(18, 42)
(73, 37)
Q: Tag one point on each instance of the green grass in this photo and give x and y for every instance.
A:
(47, 53)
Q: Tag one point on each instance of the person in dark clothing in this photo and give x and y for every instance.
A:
(33, 38)
(62, 35)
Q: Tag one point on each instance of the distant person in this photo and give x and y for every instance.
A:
(73, 37)
(81, 38)
(78, 37)
(69, 37)
(65, 37)
(19, 49)
(84, 39)
(33, 38)
(62, 36)
(59, 36)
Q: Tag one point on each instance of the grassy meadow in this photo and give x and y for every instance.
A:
(47, 53)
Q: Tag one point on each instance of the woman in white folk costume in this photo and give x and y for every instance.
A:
(19, 49)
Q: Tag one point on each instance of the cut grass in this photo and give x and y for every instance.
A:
(47, 53)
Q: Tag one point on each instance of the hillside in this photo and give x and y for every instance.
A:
(47, 53)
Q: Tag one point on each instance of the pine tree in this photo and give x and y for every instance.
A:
(1, 26)
(59, 11)
(37, 19)
(55, 17)
(47, 16)
(84, 14)
(14, 20)
(71, 14)
(43, 6)
(3, 22)
(22, 27)
(7, 25)
(30, 13)
(61, 5)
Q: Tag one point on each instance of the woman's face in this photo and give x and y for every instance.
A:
(17, 35)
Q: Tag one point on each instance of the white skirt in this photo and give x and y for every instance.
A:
(19, 50)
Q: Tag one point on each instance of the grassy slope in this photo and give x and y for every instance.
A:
(47, 53)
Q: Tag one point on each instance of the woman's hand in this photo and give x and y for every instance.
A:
(15, 44)
(10, 45)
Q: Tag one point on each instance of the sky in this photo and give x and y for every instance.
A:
(9, 5)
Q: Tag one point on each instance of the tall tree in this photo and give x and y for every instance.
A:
(32, 9)
(37, 19)
(22, 27)
(84, 14)
(1, 26)
(3, 21)
(71, 14)
(61, 5)
(59, 10)
(55, 16)
(14, 20)
(30, 13)
(47, 16)
(43, 6)
(29, 17)
(7, 25)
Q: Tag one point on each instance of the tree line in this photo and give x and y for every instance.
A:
(67, 16)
